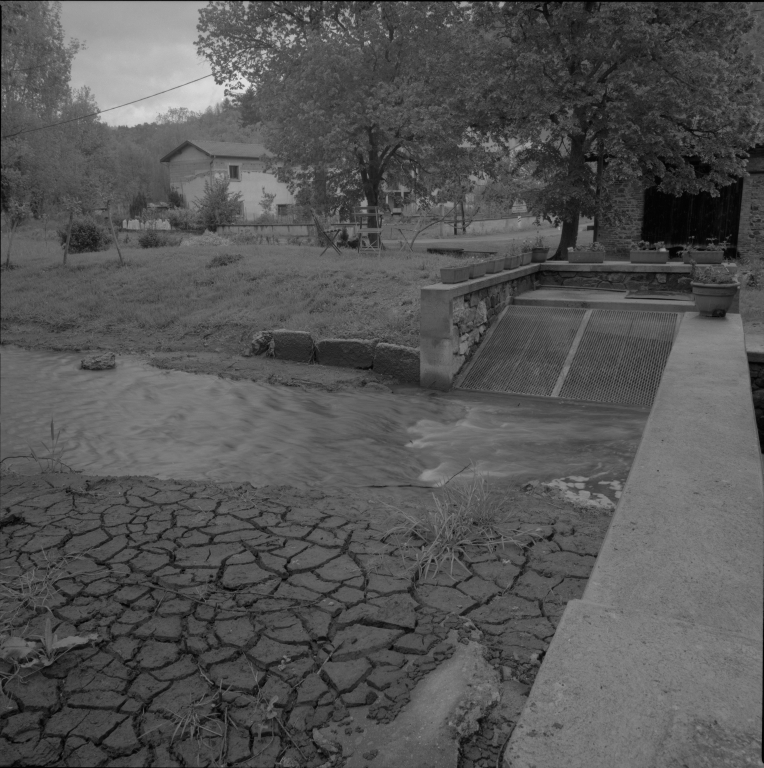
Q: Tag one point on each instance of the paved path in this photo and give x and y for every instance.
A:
(234, 621)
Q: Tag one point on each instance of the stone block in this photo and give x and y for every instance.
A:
(398, 361)
(292, 345)
(346, 353)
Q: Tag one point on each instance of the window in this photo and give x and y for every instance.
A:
(233, 172)
(282, 210)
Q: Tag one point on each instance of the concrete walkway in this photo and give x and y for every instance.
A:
(660, 664)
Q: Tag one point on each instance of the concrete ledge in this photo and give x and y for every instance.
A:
(614, 266)
(453, 290)
(292, 345)
(346, 353)
(398, 361)
(660, 664)
(620, 690)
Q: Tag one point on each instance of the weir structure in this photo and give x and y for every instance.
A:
(659, 665)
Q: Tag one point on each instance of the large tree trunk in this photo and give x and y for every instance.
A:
(576, 164)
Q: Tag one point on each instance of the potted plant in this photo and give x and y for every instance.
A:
(644, 252)
(526, 253)
(477, 269)
(714, 289)
(711, 253)
(593, 253)
(494, 265)
(539, 251)
(455, 274)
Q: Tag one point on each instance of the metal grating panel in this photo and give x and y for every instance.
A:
(526, 351)
(621, 357)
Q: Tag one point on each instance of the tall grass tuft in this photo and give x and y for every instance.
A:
(464, 517)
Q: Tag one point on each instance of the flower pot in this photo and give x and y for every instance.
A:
(586, 257)
(539, 254)
(477, 269)
(454, 274)
(525, 258)
(511, 262)
(703, 257)
(714, 299)
(649, 257)
(494, 265)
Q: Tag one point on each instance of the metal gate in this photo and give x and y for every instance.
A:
(606, 356)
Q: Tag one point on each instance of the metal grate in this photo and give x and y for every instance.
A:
(525, 352)
(621, 357)
(605, 356)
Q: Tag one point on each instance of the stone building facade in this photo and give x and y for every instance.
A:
(630, 202)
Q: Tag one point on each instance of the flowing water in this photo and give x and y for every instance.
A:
(139, 420)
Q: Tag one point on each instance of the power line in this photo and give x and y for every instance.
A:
(102, 111)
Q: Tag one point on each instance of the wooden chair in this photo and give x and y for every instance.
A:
(368, 222)
(329, 236)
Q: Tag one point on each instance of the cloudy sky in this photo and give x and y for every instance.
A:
(134, 49)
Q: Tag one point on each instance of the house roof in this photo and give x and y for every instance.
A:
(221, 149)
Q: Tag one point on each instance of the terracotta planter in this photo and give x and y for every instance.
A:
(454, 274)
(477, 269)
(539, 254)
(511, 262)
(714, 299)
(649, 257)
(586, 257)
(703, 257)
(525, 258)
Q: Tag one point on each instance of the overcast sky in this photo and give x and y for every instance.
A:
(134, 49)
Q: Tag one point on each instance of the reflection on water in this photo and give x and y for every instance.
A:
(140, 420)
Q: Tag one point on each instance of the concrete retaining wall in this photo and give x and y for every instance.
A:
(660, 663)
(385, 359)
(756, 368)
(455, 317)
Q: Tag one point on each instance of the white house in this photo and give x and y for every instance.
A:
(196, 161)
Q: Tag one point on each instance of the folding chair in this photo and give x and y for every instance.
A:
(328, 236)
(369, 223)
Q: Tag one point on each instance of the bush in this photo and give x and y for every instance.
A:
(218, 205)
(87, 236)
(183, 218)
(224, 259)
(151, 238)
(138, 205)
(176, 199)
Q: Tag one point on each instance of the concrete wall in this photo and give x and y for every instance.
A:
(629, 199)
(190, 169)
(756, 368)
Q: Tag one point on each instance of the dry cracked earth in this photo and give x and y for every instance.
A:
(232, 621)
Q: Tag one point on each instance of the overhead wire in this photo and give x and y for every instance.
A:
(102, 111)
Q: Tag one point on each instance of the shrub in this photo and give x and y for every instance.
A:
(183, 218)
(138, 205)
(218, 205)
(151, 238)
(176, 199)
(224, 259)
(87, 236)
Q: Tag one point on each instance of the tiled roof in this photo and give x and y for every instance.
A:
(221, 149)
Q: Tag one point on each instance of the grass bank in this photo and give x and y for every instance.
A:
(171, 298)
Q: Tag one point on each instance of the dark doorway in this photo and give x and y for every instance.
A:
(696, 218)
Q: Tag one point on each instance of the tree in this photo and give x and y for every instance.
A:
(602, 92)
(218, 205)
(349, 92)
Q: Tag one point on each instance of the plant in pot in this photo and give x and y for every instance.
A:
(710, 253)
(593, 253)
(477, 269)
(714, 288)
(539, 251)
(455, 274)
(645, 252)
(526, 253)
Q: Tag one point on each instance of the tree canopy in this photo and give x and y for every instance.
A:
(664, 93)
(350, 94)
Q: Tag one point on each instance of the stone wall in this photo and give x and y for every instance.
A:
(629, 201)
(757, 385)
(473, 313)
(631, 281)
(751, 231)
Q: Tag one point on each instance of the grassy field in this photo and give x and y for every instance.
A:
(169, 298)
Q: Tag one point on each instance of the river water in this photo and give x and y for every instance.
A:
(140, 420)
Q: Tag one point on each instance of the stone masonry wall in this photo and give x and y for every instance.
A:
(757, 385)
(473, 313)
(632, 281)
(751, 232)
(629, 200)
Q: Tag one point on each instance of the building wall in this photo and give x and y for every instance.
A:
(629, 200)
(751, 231)
(191, 168)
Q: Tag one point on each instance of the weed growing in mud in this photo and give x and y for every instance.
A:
(50, 461)
(471, 516)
